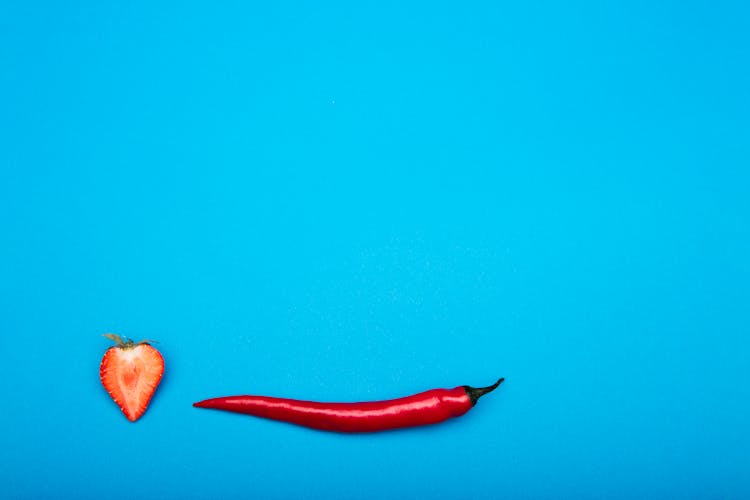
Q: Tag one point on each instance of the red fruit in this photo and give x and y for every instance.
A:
(131, 372)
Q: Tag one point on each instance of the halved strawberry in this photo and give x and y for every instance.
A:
(131, 372)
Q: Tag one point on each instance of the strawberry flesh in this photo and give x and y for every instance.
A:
(130, 374)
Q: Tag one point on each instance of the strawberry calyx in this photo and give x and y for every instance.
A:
(126, 343)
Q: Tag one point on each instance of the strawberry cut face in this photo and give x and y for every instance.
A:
(131, 373)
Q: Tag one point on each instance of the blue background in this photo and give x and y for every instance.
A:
(342, 202)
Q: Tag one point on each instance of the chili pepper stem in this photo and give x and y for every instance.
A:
(475, 393)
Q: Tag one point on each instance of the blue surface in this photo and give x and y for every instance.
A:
(354, 203)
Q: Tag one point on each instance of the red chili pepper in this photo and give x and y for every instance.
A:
(425, 408)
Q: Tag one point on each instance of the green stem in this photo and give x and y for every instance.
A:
(475, 393)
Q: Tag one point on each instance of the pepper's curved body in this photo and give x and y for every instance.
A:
(429, 407)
